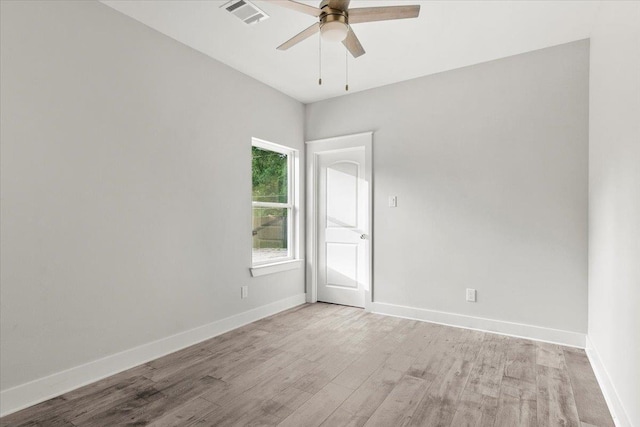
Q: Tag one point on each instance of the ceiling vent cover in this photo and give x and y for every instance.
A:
(245, 10)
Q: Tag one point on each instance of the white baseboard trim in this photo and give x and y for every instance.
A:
(36, 391)
(520, 330)
(618, 413)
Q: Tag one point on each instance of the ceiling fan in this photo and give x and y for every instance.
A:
(335, 19)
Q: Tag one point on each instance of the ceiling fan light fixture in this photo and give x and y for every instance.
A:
(334, 31)
(334, 17)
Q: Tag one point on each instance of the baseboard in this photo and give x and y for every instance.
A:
(33, 392)
(608, 390)
(537, 333)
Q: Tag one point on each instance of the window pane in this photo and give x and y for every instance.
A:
(270, 176)
(270, 234)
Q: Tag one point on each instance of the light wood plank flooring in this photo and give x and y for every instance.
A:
(329, 365)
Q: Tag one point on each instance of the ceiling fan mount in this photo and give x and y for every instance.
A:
(335, 19)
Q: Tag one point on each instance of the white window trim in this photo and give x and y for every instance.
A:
(292, 261)
(277, 267)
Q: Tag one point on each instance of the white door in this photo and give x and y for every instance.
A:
(342, 247)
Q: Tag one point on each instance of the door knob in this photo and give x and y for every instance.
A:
(363, 236)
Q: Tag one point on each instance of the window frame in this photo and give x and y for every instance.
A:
(291, 205)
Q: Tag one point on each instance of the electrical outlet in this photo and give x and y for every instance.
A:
(244, 292)
(471, 295)
(393, 201)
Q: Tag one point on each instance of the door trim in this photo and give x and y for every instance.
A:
(312, 148)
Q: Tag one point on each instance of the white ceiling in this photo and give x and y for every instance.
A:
(447, 35)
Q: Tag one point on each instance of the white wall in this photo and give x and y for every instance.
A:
(614, 205)
(489, 164)
(126, 186)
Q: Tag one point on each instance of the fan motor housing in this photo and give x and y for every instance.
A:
(333, 15)
(329, 15)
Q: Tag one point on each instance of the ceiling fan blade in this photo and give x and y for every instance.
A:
(353, 44)
(339, 4)
(371, 14)
(298, 7)
(304, 34)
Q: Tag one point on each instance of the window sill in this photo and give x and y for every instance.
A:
(262, 270)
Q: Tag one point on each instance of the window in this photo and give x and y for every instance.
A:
(273, 203)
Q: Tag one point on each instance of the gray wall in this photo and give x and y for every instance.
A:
(126, 186)
(614, 200)
(489, 164)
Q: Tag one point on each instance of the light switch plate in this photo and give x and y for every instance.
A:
(244, 292)
(471, 295)
(393, 201)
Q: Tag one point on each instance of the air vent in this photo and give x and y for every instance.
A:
(245, 10)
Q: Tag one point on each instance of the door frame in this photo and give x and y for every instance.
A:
(313, 148)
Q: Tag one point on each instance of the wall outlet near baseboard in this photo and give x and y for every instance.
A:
(244, 292)
(471, 295)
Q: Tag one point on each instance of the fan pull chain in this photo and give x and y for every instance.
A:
(320, 60)
(346, 65)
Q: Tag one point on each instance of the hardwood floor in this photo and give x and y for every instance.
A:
(329, 365)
